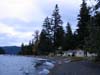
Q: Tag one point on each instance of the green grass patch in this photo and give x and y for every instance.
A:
(77, 58)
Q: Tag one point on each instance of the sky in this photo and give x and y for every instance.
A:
(19, 19)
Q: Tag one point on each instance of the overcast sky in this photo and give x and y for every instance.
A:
(20, 18)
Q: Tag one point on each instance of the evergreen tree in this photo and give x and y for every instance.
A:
(36, 42)
(57, 29)
(22, 49)
(42, 42)
(75, 40)
(97, 5)
(30, 48)
(26, 49)
(69, 38)
(2, 51)
(47, 26)
(45, 44)
(93, 43)
(83, 20)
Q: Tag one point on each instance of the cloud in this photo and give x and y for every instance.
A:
(20, 18)
(22, 26)
(8, 33)
(33, 10)
(68, 9)
(21, 9)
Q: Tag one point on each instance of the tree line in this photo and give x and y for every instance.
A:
(55, 38)
(2, 51)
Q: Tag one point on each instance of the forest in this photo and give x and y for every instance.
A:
(54, 38)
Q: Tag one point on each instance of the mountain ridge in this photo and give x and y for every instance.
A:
(11, 49)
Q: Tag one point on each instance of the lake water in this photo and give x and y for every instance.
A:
(21, 65)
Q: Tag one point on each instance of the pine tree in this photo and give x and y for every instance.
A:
(36, 43)
(22, 49)
(42, 43)
(26, 49)
(30, 48)
(97, 33)
(97, 5)
(45, 44)
(2, 51)
(93, 43)
(83, 20)
(69, 38)
(57, 29)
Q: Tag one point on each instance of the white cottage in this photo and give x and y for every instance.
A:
(91, 54)
(68, 53)
(78, 53)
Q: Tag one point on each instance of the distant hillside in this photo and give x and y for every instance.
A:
(11, 49)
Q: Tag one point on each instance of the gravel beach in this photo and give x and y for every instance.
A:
(75, 68)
